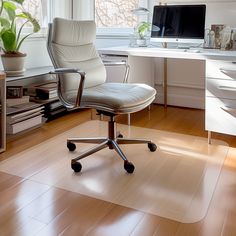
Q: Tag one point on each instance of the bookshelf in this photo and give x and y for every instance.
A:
(2, 112)
(29, 74)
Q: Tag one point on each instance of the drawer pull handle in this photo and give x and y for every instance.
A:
(226, 108)
(230, 73)
(227, 88)
(230, 110)
(227, 70)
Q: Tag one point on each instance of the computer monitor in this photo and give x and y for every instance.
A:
(178, 23)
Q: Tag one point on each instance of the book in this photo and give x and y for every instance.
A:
(10, 119)
(23, 125)
(43, 101)
(22, 107)
(45, 90)
(16, 101)
(44, 95)
(53, 105)
(55, 112)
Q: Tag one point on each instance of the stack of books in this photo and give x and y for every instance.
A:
(46, 93)
(43, 92)
(17, 101)
(54, 109)
(24, 116)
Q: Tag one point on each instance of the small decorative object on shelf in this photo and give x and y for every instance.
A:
(217, 30)
(226, 36)
(14, 91)
(141, 35)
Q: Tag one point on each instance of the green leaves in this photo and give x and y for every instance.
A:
(10, 12)
(143, 28)
(33, 21)
(4, 22)
(10, 9)
(9, 40)
(18, 1)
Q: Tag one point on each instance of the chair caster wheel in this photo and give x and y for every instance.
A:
(129, 167)
(71, 146)
(152, 147)
(120, 136)
(76, 166)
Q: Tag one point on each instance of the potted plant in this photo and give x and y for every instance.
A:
(13, 18)
(143, 30)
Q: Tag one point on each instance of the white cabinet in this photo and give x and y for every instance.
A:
(185, 82)
(221, 96)
(141, 69)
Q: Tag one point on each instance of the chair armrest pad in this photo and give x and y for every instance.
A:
(67, 70)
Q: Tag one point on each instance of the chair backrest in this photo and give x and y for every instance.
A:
(71, 45)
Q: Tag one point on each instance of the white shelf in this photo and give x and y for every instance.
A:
(30, 73)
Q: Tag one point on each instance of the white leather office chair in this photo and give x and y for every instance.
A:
(81, 84)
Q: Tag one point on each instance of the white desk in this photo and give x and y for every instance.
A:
(204, 54)
(220, 84)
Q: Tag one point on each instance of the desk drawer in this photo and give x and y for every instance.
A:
(220, 115)
(221, 88)
(221, 70)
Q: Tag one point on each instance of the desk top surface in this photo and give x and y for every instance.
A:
(192, 53)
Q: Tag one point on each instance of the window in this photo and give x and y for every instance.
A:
(115, 13)
(38, 9)
(115, 16)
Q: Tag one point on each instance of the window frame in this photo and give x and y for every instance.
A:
(124, 32)
(46, 14)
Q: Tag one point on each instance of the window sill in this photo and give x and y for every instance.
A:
(112, 36)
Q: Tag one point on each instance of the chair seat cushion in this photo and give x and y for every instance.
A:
(118, 97)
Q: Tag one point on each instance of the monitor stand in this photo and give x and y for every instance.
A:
(183, 46)
(175, 46)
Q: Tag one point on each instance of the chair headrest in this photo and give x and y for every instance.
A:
(72, 32)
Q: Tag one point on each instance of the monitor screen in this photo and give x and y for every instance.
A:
(178, 23)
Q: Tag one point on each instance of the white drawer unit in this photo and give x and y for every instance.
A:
(217, 69)
(221, 88)
(220, 113)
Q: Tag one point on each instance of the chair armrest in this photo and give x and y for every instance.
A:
(66, 70)
(60, 71)
(119, 63)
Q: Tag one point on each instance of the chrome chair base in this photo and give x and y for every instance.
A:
(112, 141)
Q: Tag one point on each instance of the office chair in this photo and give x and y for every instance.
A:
(81, 78)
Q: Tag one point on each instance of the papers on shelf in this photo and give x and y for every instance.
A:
(23, 125)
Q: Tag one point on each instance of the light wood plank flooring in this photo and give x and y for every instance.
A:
(28, 207)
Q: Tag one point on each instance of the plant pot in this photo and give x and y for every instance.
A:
(13, 64)
(141, 42)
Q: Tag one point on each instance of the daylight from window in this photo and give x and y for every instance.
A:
(115, 13)
(35, 9)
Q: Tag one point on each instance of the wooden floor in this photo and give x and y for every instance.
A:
(29, 208)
